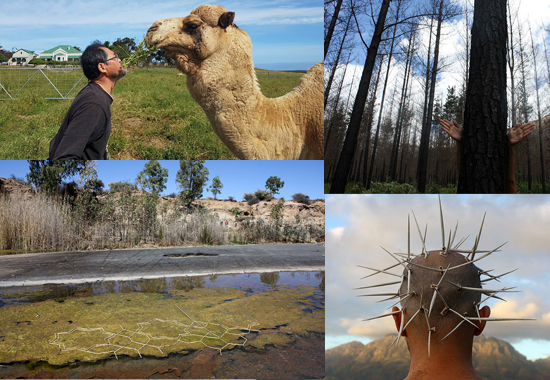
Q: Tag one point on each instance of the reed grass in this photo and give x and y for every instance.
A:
(47, 223)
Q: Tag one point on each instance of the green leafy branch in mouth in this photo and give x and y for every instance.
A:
(140, 54)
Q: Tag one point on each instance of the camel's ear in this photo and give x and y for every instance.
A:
(226, 19)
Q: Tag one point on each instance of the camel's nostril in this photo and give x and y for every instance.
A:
(153, 28)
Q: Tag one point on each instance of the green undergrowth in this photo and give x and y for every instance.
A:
(394, 188)
(28, 330)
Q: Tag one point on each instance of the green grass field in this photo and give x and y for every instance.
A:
(153, 117)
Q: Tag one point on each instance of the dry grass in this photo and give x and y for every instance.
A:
(40, 223)
(49, 223)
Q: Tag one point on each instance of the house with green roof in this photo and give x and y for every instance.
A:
(61, 53)
(21, 57)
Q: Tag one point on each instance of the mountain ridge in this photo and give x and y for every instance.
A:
(493, 359)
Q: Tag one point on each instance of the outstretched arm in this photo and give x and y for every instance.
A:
(515, 135)
(455, 131)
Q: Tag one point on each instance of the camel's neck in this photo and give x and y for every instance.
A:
(227, 89)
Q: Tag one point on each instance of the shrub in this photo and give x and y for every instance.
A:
(37, 61)
(250, 198)
(263, 195)
(231, 199)
(117, 187)
(301, 198)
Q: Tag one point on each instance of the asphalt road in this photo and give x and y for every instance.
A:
(131, 264)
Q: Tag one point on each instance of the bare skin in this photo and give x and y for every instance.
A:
(450, 359)
(111, 71)
(515, 135)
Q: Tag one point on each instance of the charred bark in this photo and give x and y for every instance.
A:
(484, 147)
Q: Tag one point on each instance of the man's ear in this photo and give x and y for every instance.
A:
(397, 319)
(226, 19)
(101, 67)
(484, 312)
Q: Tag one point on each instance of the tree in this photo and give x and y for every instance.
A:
(537, 85)
(328, 37)
(46, 175)
(216, 186)
(153, 177)
(348, 151)
(123, 47)
(427, 122)
(484, 147)
(274, 184)
(191, 179)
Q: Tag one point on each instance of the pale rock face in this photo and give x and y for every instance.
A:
(217, 57)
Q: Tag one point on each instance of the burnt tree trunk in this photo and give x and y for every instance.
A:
(525, 108)
(336, 62)
(377, 133)
(426, 128)
(543, 174)
(484, 147)
(330, 31)
(399, 124)
(342, 170)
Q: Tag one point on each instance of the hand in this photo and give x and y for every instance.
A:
(453, 129)
(519, 132)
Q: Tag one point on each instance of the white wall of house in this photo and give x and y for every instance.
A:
(20, 57)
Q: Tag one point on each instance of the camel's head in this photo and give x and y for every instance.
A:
(192, 39)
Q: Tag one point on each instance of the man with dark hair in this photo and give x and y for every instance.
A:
(86, 128)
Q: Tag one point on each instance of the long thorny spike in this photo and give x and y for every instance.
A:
(396, 341)
(442, 225)
(391, 254)
(436, 288)
(410, 320)
(454, 235)
(460, 243)
(419, 233)
(457, 326)
(381, 271)
(464, 318)
(500, 275)
(479, 235)
(502, 319)
(479, 258)
(403, 299)
(383, 315)
(485, 291)
(409, 238)
(378, 285)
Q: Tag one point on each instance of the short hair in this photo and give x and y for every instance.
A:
(92, 56)
(426, 285)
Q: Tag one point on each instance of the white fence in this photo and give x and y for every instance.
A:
(46, 82)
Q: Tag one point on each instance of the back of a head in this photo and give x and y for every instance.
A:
(433, 288)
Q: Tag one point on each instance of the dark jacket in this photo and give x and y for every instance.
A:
(86, 128)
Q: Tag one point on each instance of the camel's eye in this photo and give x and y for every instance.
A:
(192, 26)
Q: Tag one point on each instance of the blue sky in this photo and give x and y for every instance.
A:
(285, 34)
(237, 177)
(358, 225)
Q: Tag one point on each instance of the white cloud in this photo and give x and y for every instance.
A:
(54, 12)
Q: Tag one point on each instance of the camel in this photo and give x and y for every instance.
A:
(216, 56)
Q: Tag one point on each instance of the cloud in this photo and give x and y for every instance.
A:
(369, 329)
(64, 13)
(513, 309)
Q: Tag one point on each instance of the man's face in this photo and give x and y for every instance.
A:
(113, 67)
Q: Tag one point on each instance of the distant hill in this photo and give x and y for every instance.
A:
(494, 359)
